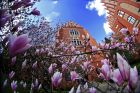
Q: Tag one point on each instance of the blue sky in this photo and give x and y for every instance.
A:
(88, 13)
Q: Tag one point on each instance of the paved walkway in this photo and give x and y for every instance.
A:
(104, 87)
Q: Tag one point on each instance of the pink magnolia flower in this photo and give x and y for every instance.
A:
(124, 67)
(135, 30)
(72, 90)
(5, 83)
(50, 69)
(86, 65)
(117, 44)
(64, 67)
(86, 85)
(56, 79)
(37, 51)
(11, 74)
(73, 59)
(34, 65)
(124, 31)
(3, 12)
(14, 85)
(72, 48)
(36, 84)
(18, 44)
(105, 61)
(92, 90)
(4, 19)
(35, 12)
(133, 80)
(24, 85)
(117, 77)
(74, 75)
(94, 48)
(40, 86)
(17, 4)
(106, 71)
(24, 64)
(78, 89)
(28, 3)
(127, 39)
(13, 61)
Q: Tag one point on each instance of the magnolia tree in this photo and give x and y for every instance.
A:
(33, 60)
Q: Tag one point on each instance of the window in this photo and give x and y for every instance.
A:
(116, 26)
(131, 19)
(76, 42)
(120, 13)
(74, 32)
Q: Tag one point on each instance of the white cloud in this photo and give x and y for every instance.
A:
(107, 28)
(55, 2)
(97, 5)
(100, 8)
(52, 16)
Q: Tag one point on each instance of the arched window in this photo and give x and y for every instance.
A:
(76, 42)
(74, 32)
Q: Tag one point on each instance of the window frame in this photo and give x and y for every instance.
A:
(131, 19)
(121, 13)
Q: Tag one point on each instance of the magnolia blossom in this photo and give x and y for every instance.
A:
(13, 61)
(56, 79)
(117, 44)
(4, 19)
(92, 90)
(127, 39)
(17, 4)
(18, 44)
(36, 84)
(105, 61)
(72, 48)
(40, 86)
(86, 85)
(35, 12)
(124, 67)
(78, 89)
(117, 77)
(94, 48)
(34, 65)
(24, 85)
(14, 85)
(135, 30)
(11, 74)
(124, 31)
(73, 60)
(106, 71)
(133, 80)
(5, 83)
(86, 65)
(74, 75)
(72, 90)
(64, 67)
(24, 64)
(37, 51)
(52, 67)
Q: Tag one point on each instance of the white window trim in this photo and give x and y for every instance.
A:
(120, 13)
(131, 19)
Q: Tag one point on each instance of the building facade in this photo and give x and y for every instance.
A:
(123, 14)
(76, 35)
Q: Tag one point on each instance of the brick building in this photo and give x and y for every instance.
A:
(75, 34)
(123, 14)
